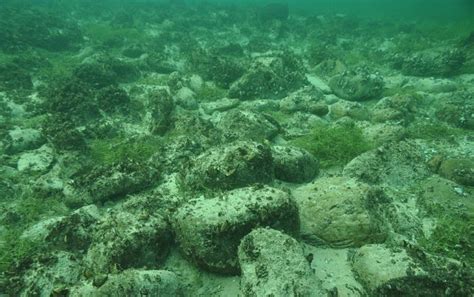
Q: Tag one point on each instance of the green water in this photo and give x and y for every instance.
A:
(236, 148)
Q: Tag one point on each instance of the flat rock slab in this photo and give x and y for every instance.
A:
(209, 231)
(273, 264)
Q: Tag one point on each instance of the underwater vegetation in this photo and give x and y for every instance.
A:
(223, 148)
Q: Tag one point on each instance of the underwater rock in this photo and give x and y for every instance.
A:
(220, 105)
(432, 63)
(308, 99)
(384, 133)
(240, 124)
(72, 232)
(209, 231)
(161, 105)
(270, 77)
(186, 98)
(223, 70)
(343, 108)
(48, 275)
(332, 269)
(294, 165)
(124, 240)
(39, 160)
(398, 108)
(132, 282)
(460, 170)
(103, 183)
(376, 265)
(273, 264)
(457, 112)
(357, 85)
(397, 164)
(230, 166)
(112, 99)
(19, 139)
(341, 212)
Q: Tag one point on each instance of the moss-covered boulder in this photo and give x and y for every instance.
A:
(341, 212)
(230, 166)
(294, 164)
(273, 263)
(273, 76)
(357, 85)
(124, 240)
(209, 231)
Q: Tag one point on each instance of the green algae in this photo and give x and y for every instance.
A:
(334, 145)
(113, 150)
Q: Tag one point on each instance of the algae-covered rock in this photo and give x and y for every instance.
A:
(294, 164)
(19, 139)
(133, 283)
(247, 125)
(460, 170)
(209, 231)
(433, 63)
(39, 160)
(273, 76)
(398, 108)
(458, 112)
(111, 182)
(48, 275)
(273, 264)
(376, 265)
(124, 240)
(230, 166)
(308, 99)
(353, 110)
(341, 212)
(357, 85)
(161, 106)
(396, 164)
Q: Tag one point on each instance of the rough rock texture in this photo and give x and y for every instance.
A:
(231, 166)
(270, 77)
(375, 265)
(273, 264)
(209, 231)
(294, 164)
(432, 63)
(357, 85)
(135, 283)
(247, 125)
(332, 268)
(18, 140)
(400, 164)
(50, 275)
(72, 232)
(161, 105)
(398, 108)
(353, 110)
(124, 240)
(39, 160)
(460, 170)
(308, 99)
(341, 212)
(104, 183)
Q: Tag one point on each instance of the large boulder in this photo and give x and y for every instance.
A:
(125, 240)
(209, 230)
(230, 166)
(294, 164)
(376, 265)
(357, 85)
(273, 76)
(273, 264)
(341, 212)
(247, 125)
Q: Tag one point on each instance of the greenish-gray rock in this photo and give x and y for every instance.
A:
(209, 230)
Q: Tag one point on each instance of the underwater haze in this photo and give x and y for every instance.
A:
(236, 148)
